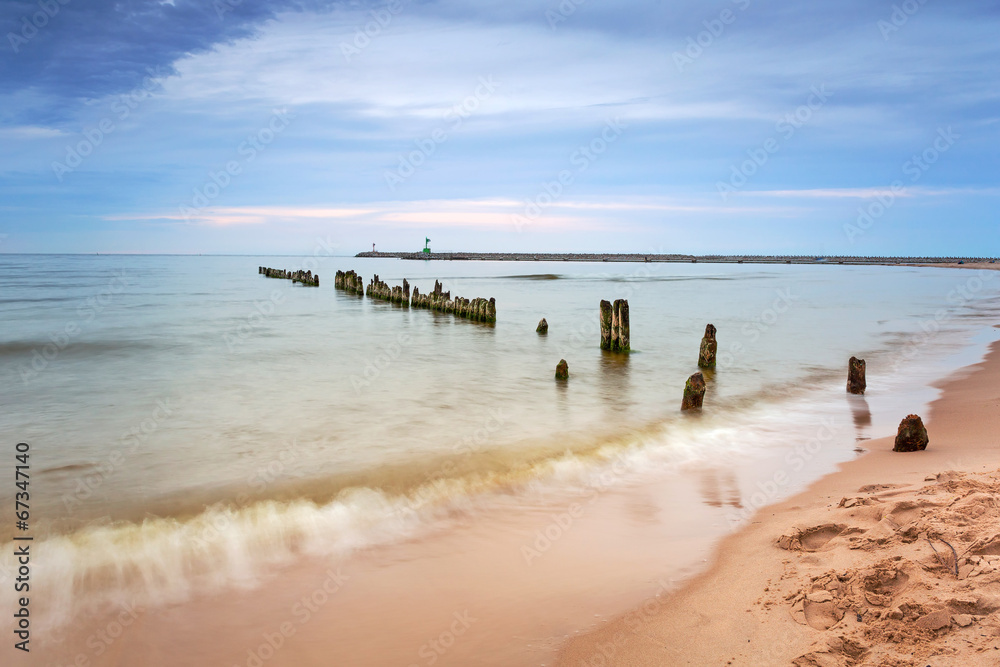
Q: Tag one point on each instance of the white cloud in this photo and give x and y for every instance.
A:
(30, 132)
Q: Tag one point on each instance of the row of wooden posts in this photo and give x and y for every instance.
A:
(305, 277)
(478, 310)
(615, 336)
(911, 435)
(350, 282)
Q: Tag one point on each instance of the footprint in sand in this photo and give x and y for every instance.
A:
(811, 539)
(822, 615)
(883, 583)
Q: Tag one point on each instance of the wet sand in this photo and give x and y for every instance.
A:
(869, 542)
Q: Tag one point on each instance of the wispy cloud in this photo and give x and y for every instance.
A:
(30, 132)
(868, 193)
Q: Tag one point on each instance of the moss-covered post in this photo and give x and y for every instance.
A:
(694, 392)
(562, 370)
(606, 318)
(709, 346)
(620, 326)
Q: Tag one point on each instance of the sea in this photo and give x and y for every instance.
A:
(195, 428)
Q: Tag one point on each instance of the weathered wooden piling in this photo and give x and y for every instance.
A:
(304, 277)
(543, 327)
(562, 370)
(620, 327)
(350, 282)
(606, 324)
(911, 435)
(478, 310)
(856, 382)
(615, 331)
(709, 346)
(694, 392)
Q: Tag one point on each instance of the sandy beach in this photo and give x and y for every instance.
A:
(860, 569)
(517, 565)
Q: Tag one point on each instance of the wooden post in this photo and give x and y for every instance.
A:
(606, 324)
(694, 392)
(856, 382)
(709, 346)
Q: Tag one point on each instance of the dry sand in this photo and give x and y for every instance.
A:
(860, 569)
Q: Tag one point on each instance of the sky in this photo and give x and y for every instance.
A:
(858, 127)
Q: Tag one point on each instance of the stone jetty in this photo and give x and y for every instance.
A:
(709, 346)
(615, 333)
(856, 383)
(673, 257)
(349, 282)
(694, 392)
(911, 436)
(305, 277)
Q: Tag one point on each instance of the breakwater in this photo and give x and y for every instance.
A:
(677, 258)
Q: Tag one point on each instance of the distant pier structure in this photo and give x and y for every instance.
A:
(426, 253)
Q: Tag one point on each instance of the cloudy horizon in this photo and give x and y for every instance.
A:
(741, 126)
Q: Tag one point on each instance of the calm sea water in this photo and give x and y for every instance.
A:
(191, 421)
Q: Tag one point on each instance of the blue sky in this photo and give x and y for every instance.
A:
(255, 126)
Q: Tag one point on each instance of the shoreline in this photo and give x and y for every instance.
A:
(946, 262)
(789, 587)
